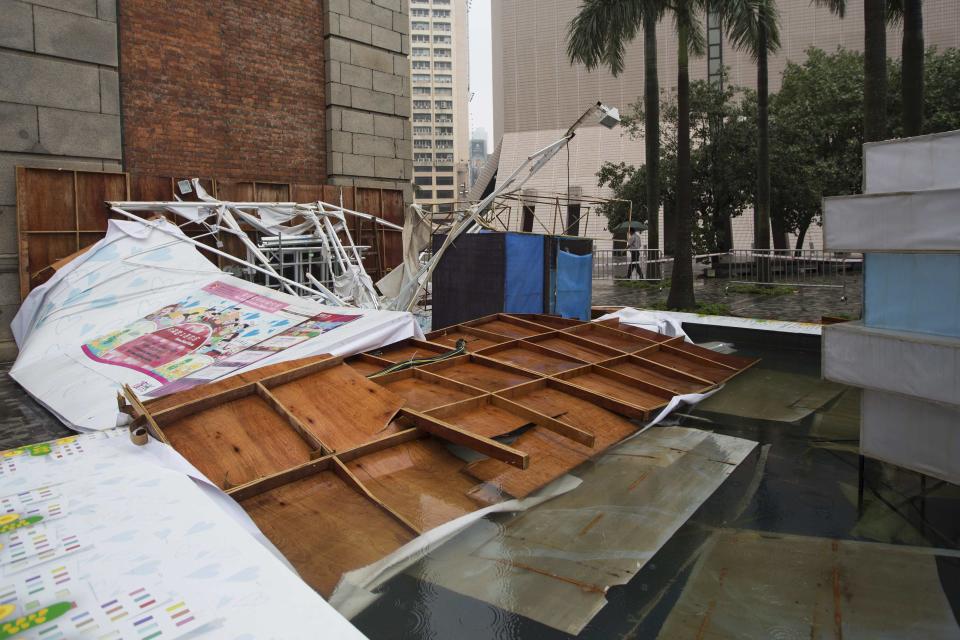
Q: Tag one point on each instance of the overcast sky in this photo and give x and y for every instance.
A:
(481, 72)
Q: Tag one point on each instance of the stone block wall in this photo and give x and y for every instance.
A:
(59, 107)
(366, 44)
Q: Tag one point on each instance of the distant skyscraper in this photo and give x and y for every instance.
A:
(478, 153)
(439, 75)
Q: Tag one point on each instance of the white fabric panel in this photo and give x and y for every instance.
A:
(134, 271)
(912, 164)
(913, 364)
(899, 222)
(917, 435)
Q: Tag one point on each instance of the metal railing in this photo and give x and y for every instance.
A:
(805, 268)
(615, 264)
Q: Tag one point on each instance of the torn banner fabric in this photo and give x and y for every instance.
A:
(146, 310)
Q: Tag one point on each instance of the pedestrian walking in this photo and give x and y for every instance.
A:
(633, 246)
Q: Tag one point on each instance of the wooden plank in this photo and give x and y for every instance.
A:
(236, 190)
(662, 376)
(481, 416)
(93, 191)
(408, 349)
(575, 346)
(550, 455)
(294, 422)
(480, 372)
(420, 480)
(532, 356)
(348, 476)
(548, 398)
(141, 413)
(239, 441)
(297, 369)
(339, 406)
(553, 322)
(367, 365)
(272, 481)
(628, 390)
(486, 446)
(213, 398)
(145, 188)
(646, 334)
(306, 192)
(476, 339)
(578, 435)
(600, 400)
(504, 325)
(271, 192)
(424, 391)
(687, 363)
(619, 340)
(735, 363)
(325, 528)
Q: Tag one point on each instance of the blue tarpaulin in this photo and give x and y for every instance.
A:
(574, 285)
(523, 286)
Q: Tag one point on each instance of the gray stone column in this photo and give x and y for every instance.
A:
(366, 45)
(59, 107)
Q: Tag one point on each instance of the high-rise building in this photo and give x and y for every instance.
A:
(478, 153)
(439, 90)
(537, 93)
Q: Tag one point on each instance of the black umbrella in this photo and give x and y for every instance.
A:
(636, 225)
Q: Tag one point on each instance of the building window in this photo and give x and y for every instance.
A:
(420, 13)
(419, 37)
(421, 64)
(441, 13)
(422, 91)
(443, 91)
(444, 117)
(442, 39)
(423, 143)
(444, 131)
(444, 193)
(422, 131)
(444, 208)
(421, 104)
(421, 52)
(423, 169)
(444, 144)
(423, 180)
(441, 53)
(422, 117)
(443, 66)
(445, 169)
(444, 104)
(444, 157)
(425, 193)
(422, 77)
(443, 78)
(423, 158)
(445, 180)
(441, 26)
(420, 26)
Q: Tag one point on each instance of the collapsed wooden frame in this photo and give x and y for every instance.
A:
(323, 451)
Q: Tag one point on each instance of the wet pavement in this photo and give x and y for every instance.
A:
(805, 304)
(784, 527)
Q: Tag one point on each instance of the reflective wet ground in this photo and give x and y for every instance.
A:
(804, 304)
(779, 550)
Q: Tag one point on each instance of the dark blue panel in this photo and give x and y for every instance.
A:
(523, 288)
(574, 285)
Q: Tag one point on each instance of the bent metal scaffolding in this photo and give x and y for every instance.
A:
(306, 228)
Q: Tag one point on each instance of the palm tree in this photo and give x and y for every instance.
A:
(910, 13)
(875, 16)
(753, 25)
(597, 36)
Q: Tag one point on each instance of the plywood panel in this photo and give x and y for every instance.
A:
(93, 190)
(306, 192)
(367, 365)
(150, 188)
(479, 374)
(607, 426)
(325, 528)
(612, 338)
(475, 341)
(726, 359)
(409, 349)
(236, 190)
(551, 456)
(639, 332)
(423, 394)
(527, 356)
(618, 387)
(340, 406)
(547, 320)
(510, 327)
(45, 199)
(481, 417)
(576, 347)
(237, 442)
(682, 362)
(271, 192)
(661, 376)
(420, 480)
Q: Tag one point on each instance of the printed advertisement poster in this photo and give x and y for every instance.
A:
(207, 335)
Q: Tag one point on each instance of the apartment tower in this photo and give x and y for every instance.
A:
(439, 90)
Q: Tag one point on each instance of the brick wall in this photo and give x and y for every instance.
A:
(232, 89)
